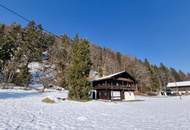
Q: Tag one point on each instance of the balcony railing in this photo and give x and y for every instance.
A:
(115, 87)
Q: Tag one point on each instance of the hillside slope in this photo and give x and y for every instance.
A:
(21, 45)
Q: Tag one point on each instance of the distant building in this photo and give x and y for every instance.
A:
(175, 88)
(118, 86)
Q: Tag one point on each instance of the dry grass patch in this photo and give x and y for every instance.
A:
(48, 100)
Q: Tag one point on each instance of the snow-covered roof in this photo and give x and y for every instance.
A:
(179, 84)
(112, 75)
(109, 76)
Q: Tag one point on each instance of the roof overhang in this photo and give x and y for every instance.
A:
(112, 76)
(178, 84)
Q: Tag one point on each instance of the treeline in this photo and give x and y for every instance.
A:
(72, 59)
(151, 78)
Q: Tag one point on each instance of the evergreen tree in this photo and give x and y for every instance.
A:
(182, 75)
(187, 76)
(78, 70)
(165, 75)
(175, 74)
(154, 76)
(22, 77)
(8, 47)
(59, 58)
(31, 47)
(118, 55)
(156, 79)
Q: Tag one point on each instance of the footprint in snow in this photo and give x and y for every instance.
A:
(103, 114)
(82, 118)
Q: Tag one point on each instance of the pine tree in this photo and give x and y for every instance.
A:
(8, 46)
(175, 75)
(165, 75)
(22, 77)
(30, 48)
(182, 75)
(118, 56)
(78, 70)
(59, 57)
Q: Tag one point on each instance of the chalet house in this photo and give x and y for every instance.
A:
(175, 87)
(118, 86)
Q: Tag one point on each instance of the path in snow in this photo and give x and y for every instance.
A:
(23, 110)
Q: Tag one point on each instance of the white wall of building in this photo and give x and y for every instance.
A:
(129, 95)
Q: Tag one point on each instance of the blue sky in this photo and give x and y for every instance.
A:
(155, 29)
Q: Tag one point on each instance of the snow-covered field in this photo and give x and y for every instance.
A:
(23, 110)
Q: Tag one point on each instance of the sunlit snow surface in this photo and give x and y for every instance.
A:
(23, 110)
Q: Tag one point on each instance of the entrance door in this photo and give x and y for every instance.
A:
(93, 95)
(103, 94)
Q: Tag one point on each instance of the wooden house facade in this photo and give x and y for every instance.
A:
(118, 86)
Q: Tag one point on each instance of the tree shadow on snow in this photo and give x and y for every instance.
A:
(7, 95)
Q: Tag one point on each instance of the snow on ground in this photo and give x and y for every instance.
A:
(23, 110)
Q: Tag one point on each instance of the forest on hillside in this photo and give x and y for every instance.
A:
(21, 45)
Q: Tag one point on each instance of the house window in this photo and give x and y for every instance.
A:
(103, 93)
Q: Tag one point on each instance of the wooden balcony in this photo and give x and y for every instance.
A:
(114, 87)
